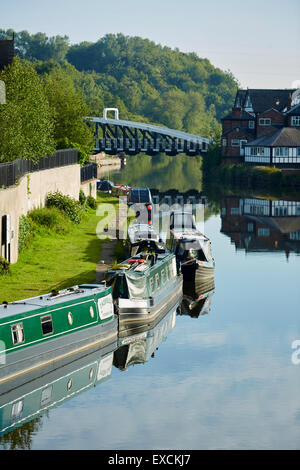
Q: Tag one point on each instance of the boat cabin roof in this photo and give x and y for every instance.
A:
(138, 232)
(188, 235)
(51, 299)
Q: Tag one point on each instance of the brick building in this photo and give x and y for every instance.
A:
(263, 128)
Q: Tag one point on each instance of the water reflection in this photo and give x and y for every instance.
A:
(138, 348)
(197, 296)
(257, 224)
(22, 408)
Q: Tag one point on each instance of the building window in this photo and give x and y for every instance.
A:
(46, 323)
(281, 151)
(263, 232)
(295, 121)
(224, 142)
(250, 227)
(257, 151)
(17, 332)
(235, 142)
(234, 211)
(264, 121)
(251, 124)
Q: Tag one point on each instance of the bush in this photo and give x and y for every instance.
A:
(25, 232)
(91, 202)
(51, 218)
(4, 266)
(82, 198)
(71, 208)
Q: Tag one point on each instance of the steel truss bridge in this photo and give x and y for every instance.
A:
(114, 136)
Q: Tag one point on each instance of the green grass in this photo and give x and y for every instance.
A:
(56, 260)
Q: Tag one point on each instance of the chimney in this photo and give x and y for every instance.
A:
(289, 102)
(236, 112)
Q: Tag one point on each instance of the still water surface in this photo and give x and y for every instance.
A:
(222, 380)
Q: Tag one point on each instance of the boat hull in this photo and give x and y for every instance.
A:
(34, 361)
(134, 313)
(197, 271)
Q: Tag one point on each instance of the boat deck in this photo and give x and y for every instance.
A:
(49, 300)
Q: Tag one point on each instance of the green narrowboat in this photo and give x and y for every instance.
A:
(37, 332)
(145, 285)
(31, 400)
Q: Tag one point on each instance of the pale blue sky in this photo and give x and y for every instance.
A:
(258, 40)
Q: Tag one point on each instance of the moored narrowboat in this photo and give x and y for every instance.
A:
(145, 285)
(191, 247)
(37, 332)
(138, 233)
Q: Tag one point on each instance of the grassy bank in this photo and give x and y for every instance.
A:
(57, 257)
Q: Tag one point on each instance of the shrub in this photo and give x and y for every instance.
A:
(71, 208)
(25, 232)
(91, 202)
(4, 266)
(82, 198)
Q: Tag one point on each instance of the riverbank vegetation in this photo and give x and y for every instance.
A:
(244, 175)
(145, 81)
(56, 252)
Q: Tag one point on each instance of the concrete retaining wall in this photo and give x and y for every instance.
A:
(31, 193)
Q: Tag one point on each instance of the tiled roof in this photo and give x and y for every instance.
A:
(266, 98)
(284, 137)
(294, 111)
(243, 117)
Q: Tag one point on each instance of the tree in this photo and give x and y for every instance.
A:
(69, 110)
(26, 120)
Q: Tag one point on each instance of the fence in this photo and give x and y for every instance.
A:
(88, 171)
(11, 172)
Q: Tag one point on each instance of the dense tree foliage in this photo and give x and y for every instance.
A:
(146, 81)
(26, 120)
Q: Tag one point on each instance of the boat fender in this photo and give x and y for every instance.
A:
(142, 261)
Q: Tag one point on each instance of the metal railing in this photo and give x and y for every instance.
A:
(88, 171)
(11, 172)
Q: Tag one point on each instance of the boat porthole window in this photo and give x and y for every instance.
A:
(92, 312)
(69, 384)
(91, 373)
(70, 318)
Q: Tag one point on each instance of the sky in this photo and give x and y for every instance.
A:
(258, 41)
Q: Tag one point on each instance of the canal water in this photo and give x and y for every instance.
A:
(224, 374)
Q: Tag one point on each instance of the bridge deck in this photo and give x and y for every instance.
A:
(151, 128)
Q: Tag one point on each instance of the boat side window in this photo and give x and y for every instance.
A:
(170, 270)
(17, 410)
(46, 323)
(151, 285)
(157, 280)
(163, 277)
(17, 332)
